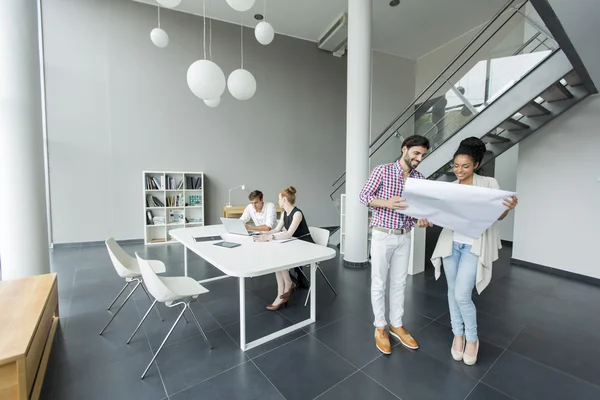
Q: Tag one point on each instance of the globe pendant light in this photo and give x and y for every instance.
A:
(241, 5)
(158, 36)
(213, 102)
(241, 83)
(169, 3)
(264, 32)
(204, 78)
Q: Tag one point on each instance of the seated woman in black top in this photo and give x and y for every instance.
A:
(291, 224)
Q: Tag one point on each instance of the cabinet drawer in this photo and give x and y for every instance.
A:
(34, 354)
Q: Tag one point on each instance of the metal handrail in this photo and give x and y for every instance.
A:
(454, 59)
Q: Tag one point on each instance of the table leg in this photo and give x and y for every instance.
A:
(313, 292)
(242, 314)
(185, 269)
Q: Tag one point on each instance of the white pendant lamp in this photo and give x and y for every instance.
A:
(213, 102)
(241, 83)
(158, 36)
(169, 3)
(241, 5)
(205, 78)
(264, 32)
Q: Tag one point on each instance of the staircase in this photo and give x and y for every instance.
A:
(528, 82)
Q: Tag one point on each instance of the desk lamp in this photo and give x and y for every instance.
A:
(237, 187)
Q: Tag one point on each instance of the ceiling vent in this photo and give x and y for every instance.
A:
(335, 40)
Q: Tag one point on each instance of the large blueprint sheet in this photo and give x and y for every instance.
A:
(466, 209)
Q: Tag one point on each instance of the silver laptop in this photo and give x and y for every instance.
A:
(236, 226)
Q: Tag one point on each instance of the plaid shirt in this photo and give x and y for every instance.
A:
(385, 182)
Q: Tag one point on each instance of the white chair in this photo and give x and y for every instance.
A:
(173, 292)
(321, 237)
(128, 269)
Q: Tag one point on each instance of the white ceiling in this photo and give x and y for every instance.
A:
(411, 30)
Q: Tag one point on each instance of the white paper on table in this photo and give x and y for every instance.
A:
(466, 209)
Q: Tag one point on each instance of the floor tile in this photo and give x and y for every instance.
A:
(426, 305)
(244, 382)
(226, 310)
(526, 379)
(258, 326)
(499, 332)
(436, 340)
(568, 350)
(415, 375)
(357, 387)
(303, 368)
(484, 392)
(350, 338)
(190, 361)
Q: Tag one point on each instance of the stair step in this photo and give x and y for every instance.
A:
(512, 124)
(496, 138)
(573, 79)
(556, 92)
(533, 109)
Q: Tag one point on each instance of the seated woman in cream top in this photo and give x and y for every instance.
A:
(291, 224)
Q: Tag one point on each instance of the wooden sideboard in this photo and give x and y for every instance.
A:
(237, 211)
(28, 322)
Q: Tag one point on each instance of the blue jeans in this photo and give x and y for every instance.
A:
(461, 271)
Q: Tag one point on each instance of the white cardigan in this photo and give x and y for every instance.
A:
(485, 247)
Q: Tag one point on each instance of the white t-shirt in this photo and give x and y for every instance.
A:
(268, 215)
(462, 239)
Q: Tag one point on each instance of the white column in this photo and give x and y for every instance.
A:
(358, 124)
(23, 224)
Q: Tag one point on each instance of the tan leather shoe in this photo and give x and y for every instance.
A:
(382, 341)
(404, 337)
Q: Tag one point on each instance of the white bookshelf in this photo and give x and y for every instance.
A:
(343, 226)
(173, 200)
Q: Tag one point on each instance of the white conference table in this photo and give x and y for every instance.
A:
(254, 259)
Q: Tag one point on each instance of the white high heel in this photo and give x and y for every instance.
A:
(469, 359)
(457, 355)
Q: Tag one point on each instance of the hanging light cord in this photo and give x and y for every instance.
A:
(242, 41)
(210, 39)
(204, 34)
(158, 16)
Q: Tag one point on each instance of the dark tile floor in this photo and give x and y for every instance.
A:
(539, 339)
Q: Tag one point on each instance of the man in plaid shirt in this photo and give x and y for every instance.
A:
(390, 243)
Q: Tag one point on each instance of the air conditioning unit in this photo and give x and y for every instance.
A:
(335, 40)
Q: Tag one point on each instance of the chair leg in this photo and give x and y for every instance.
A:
(119, 295)
(120, 307)
(307, 296)
(163, 342)
(303, 274)
(184, 317)
(141, 322)
(150, 298)
(199, 327)
(326, 280)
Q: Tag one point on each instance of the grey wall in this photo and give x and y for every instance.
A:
(580, 20)
(118, 105)
(558, 184)
(505, 171)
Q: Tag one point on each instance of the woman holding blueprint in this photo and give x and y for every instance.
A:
(467, 260)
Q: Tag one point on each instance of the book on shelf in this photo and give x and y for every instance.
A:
(175, 201)
(153, 184)
(193, 183)
(157, 240)
(171, 185)
(153, 201)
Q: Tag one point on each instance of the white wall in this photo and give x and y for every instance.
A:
(118, 105)
(393, 89)
(505, 172)
(557, 221)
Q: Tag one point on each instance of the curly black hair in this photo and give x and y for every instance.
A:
(472, 147)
